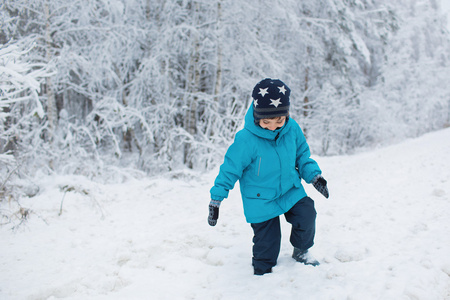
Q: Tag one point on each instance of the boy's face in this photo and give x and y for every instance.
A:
(272, 124)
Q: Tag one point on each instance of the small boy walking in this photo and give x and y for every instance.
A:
(269, 157)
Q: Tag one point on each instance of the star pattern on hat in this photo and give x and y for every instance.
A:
(282, 89)
(275, 102)
(263, 92)
(255, 102)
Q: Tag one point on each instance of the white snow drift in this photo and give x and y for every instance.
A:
(383, 234)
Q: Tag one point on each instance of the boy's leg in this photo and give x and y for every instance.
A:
(266, 245)
(302, 216)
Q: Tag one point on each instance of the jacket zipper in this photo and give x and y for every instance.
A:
(276, 138)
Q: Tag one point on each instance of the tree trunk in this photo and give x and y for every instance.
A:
(192, 88)
(306, 105)
(52, 115)
(218, 84)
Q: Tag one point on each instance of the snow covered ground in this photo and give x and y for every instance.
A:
(383, 234)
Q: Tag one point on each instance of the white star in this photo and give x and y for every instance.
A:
(255, 102)
(275, 102)
(282, 89)
(263, 92)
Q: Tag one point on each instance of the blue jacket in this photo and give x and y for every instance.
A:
(269, 166)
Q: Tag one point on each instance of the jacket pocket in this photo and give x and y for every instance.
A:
(256, 192)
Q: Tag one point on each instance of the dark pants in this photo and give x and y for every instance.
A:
(267, 235)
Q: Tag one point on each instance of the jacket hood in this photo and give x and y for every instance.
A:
(261, 132)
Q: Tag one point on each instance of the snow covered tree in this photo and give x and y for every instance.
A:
(20, 110)
(343, 50)
(160, 85)
(415, 76)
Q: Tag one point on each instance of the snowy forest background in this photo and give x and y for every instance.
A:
(110, 87)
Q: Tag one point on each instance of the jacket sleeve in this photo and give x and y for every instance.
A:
(237, 159)
(307, 167)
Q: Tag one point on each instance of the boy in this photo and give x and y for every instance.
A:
(269, 157)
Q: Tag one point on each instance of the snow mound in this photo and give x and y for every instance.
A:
(382, 234)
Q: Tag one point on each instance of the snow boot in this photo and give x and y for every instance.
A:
(262, 272)
(304, 257)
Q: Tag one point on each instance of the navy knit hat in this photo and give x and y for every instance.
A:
(270, 99)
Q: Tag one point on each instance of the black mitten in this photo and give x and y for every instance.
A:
(213, 212)
(321, 185)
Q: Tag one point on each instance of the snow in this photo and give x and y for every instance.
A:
(382, 234)
(445, 6)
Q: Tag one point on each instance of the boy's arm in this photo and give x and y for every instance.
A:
(237, 158)
(307, 167)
